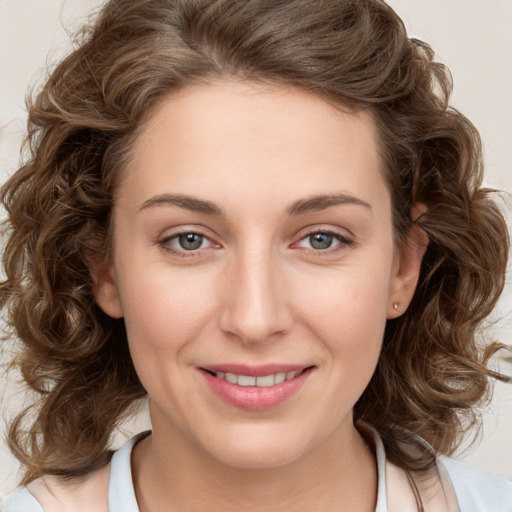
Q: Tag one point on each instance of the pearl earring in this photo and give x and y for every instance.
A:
(396, 305)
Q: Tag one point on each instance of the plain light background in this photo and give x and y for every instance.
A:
(473, 37)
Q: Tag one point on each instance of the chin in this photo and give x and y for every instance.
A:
(259, 450)
(255, 457)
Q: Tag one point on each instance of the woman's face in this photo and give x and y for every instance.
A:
(255, 268)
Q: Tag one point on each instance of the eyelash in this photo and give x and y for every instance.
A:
(165, 244)
(344, 242)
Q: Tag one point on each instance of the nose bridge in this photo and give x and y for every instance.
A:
(256, 306)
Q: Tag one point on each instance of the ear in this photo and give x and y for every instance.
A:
(407, 267)
(106, 292)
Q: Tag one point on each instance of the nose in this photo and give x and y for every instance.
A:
(255, 307)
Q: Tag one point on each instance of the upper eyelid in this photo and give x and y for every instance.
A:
(334, 234)
(177, 231)
(184, 232)
(311, 230)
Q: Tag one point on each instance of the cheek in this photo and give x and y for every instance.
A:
(347, 310)
(165, 309)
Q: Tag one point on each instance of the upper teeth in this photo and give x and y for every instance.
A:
(263, 381)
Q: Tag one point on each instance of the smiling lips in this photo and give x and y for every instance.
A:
(255, 388)
(261, 381)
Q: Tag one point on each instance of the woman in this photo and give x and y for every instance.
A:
(263, 216)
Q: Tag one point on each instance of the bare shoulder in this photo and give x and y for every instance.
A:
(52, 494)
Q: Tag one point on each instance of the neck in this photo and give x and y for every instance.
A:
(172, 474)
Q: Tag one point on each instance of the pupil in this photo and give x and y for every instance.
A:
(191, 241)
(320, 241)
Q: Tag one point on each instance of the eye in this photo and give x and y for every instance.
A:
(185, 242)
(324, 240)
(189, 241)
(320, 241)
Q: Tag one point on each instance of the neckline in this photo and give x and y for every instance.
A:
(121, 492)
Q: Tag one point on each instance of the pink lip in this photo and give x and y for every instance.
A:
(254, 398)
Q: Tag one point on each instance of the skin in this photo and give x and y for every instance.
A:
(255, 292)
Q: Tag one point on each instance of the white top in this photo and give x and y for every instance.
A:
(475, 490)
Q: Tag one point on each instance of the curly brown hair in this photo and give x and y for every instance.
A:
(432, 371)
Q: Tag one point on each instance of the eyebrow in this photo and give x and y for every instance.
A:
(182, 201)
(321, 202)
(308, 204)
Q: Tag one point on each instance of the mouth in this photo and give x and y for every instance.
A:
(256, 388)
(262, 381)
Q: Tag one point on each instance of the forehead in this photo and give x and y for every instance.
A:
(247, 139)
